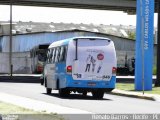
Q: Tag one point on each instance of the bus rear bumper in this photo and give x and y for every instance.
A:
(91, 84)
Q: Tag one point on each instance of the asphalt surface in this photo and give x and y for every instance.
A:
(35, 78)
(20, 78)
(110, 103)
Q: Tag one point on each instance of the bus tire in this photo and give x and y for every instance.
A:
(42, 81)
(48, 90)
(64, 92)
(84, 93)
(98, 94)
(45, 82)
(57, 84)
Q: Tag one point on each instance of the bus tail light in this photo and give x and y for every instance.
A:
(69, 69)
(114, 70)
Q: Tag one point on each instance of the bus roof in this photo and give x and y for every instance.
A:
(66, 41)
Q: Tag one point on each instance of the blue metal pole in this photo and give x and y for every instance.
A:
(144, 45)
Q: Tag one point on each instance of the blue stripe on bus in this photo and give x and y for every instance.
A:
(90, 83)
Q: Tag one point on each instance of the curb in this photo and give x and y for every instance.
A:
(136, 95)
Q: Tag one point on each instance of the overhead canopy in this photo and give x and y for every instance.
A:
(118, 5)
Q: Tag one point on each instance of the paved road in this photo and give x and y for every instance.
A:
(110, 103)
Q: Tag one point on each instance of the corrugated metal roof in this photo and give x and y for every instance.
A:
(32, 27)
(30, 34)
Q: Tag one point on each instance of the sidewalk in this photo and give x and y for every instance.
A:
(39, 106)
(147, 96)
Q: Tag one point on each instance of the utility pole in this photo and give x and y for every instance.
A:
(157, 82)
(10, 41)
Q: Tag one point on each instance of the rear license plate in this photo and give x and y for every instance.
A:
(91, 84)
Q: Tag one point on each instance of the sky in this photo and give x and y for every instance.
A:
(67, 15)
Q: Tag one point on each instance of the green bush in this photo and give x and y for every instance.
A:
(154, 70)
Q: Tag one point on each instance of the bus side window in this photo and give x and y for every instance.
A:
(65, 53)
(53, 56)
(61, 54)
(56, 56)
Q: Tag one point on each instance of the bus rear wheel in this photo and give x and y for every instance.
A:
(48, 90)
(64, 92)
(84, 93)
(42, 81)
(98, 94)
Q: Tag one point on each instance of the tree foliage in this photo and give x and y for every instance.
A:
(131, 35)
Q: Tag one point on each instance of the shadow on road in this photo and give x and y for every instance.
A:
(75, 97)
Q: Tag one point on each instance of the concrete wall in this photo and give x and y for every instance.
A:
(5, 28)
(21, 62)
